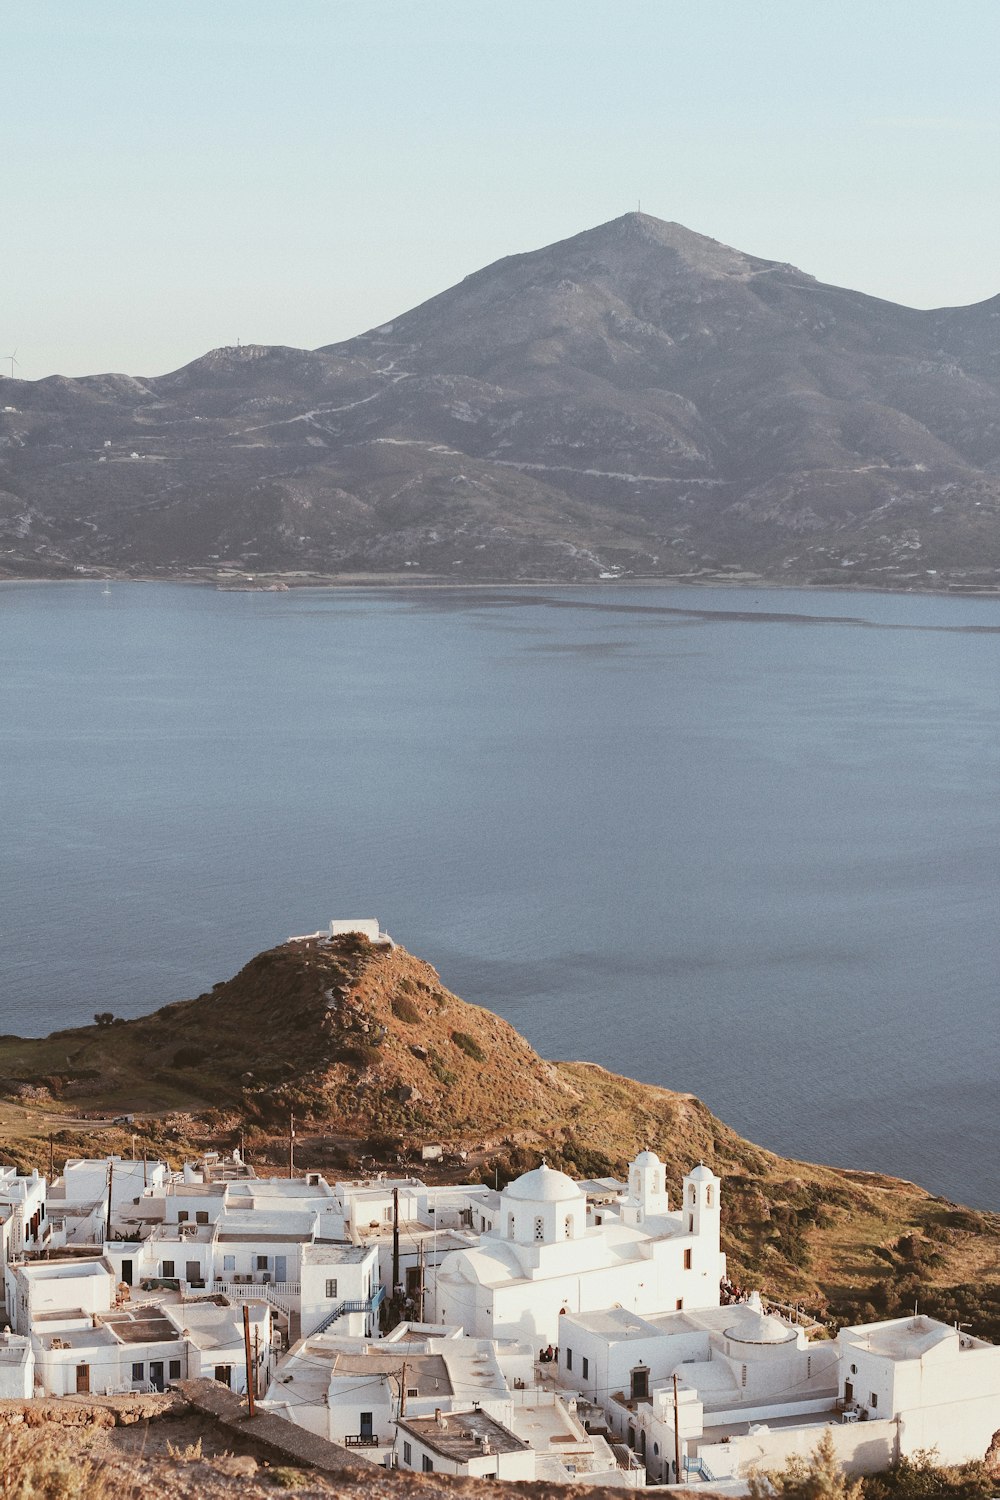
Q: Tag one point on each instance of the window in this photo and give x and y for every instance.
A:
(640, 1382)
(708, 1196)
(331, 1287)
(201, 1217)
(175, 1369)
(427, 1465)
(167, 1268)
(679, 1304)
(569, 1359)
(229, 1263)
(510, 1226)
(687, 1260)
(262, 1262)
(407, 1453)
(539, 1228)
(586, 1368)
(223, 1374)
(873, 1402)
(138, 1371)
(182, 1216)
(692, 1194)
(690, 1223)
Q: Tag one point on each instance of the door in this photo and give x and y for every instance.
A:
(83, 1380)
(192, 1271)
(127, 1272)
(848, 1391)
(223, 1374)
(156, 1374)
(280, 1268)
(366, 1424)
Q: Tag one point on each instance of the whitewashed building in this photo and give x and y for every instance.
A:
(468, 1442)
(545, 1258)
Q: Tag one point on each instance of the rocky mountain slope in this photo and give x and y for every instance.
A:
(638, 400)
(374, 1057)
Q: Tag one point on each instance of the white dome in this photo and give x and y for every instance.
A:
(701, 1173)
(543, 1185)
(647, 1159)
(758, 1327)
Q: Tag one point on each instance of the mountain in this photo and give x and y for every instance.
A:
(638, 400)
(375, 1057)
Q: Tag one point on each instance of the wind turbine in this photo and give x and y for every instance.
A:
(13, 361)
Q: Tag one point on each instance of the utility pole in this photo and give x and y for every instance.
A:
(677, 1436)
(246, 1345)
(421, 1255)
(111, 1183)
(256, 1358)
(395, 1241)
(291, 1144)
(402, 1390)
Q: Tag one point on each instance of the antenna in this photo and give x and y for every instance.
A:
(13, 361)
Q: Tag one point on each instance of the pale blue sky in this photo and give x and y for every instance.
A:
(179, 173)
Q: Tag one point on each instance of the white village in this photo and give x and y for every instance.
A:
(582, 1332)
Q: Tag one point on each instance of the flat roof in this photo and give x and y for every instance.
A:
(427, 1374)
(455, 1435)
(151, 1326)
(334, 1253)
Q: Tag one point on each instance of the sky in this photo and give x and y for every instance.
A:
(178, 176)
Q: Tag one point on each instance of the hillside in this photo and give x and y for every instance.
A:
(374, 1057)
(638, 400)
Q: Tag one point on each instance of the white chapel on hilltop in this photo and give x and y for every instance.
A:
(549, 1252)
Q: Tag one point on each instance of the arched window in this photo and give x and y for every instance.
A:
(692, 1194)
(568, 1226)
(539, 1227)
(708, 1196)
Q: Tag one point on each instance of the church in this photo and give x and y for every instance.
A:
(547, 1254)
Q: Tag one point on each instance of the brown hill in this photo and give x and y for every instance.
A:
(374, 1057)
(637, 400)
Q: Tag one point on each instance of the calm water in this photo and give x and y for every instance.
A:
(717, 839)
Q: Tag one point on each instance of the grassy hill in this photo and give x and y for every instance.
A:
(374, 1057)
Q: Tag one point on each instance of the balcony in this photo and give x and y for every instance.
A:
(361, 1440)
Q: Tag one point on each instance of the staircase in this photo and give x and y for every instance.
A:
(371, 1306)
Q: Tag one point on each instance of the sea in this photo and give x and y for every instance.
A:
(739, 842)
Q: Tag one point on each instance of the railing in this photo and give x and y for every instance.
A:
(361, 1440)
(283, 1295)
(698, 1466)
(370, 1305)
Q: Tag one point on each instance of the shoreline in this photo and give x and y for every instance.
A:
(279, 583)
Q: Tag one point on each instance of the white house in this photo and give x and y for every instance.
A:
(545, 1258)
(24, 1226)
(937, 1385)
(46, 1288)
(17, 1367)
(468, 1442)
(352, 1391)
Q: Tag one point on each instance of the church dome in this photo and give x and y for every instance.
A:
(758, 1327)
(701, 1173)
(647, 1159)
(543, 1185)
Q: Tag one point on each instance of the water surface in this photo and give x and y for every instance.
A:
(737, 842)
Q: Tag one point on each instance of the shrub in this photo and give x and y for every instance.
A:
(404, 1010)
(188, 1057)
(469, 1045)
